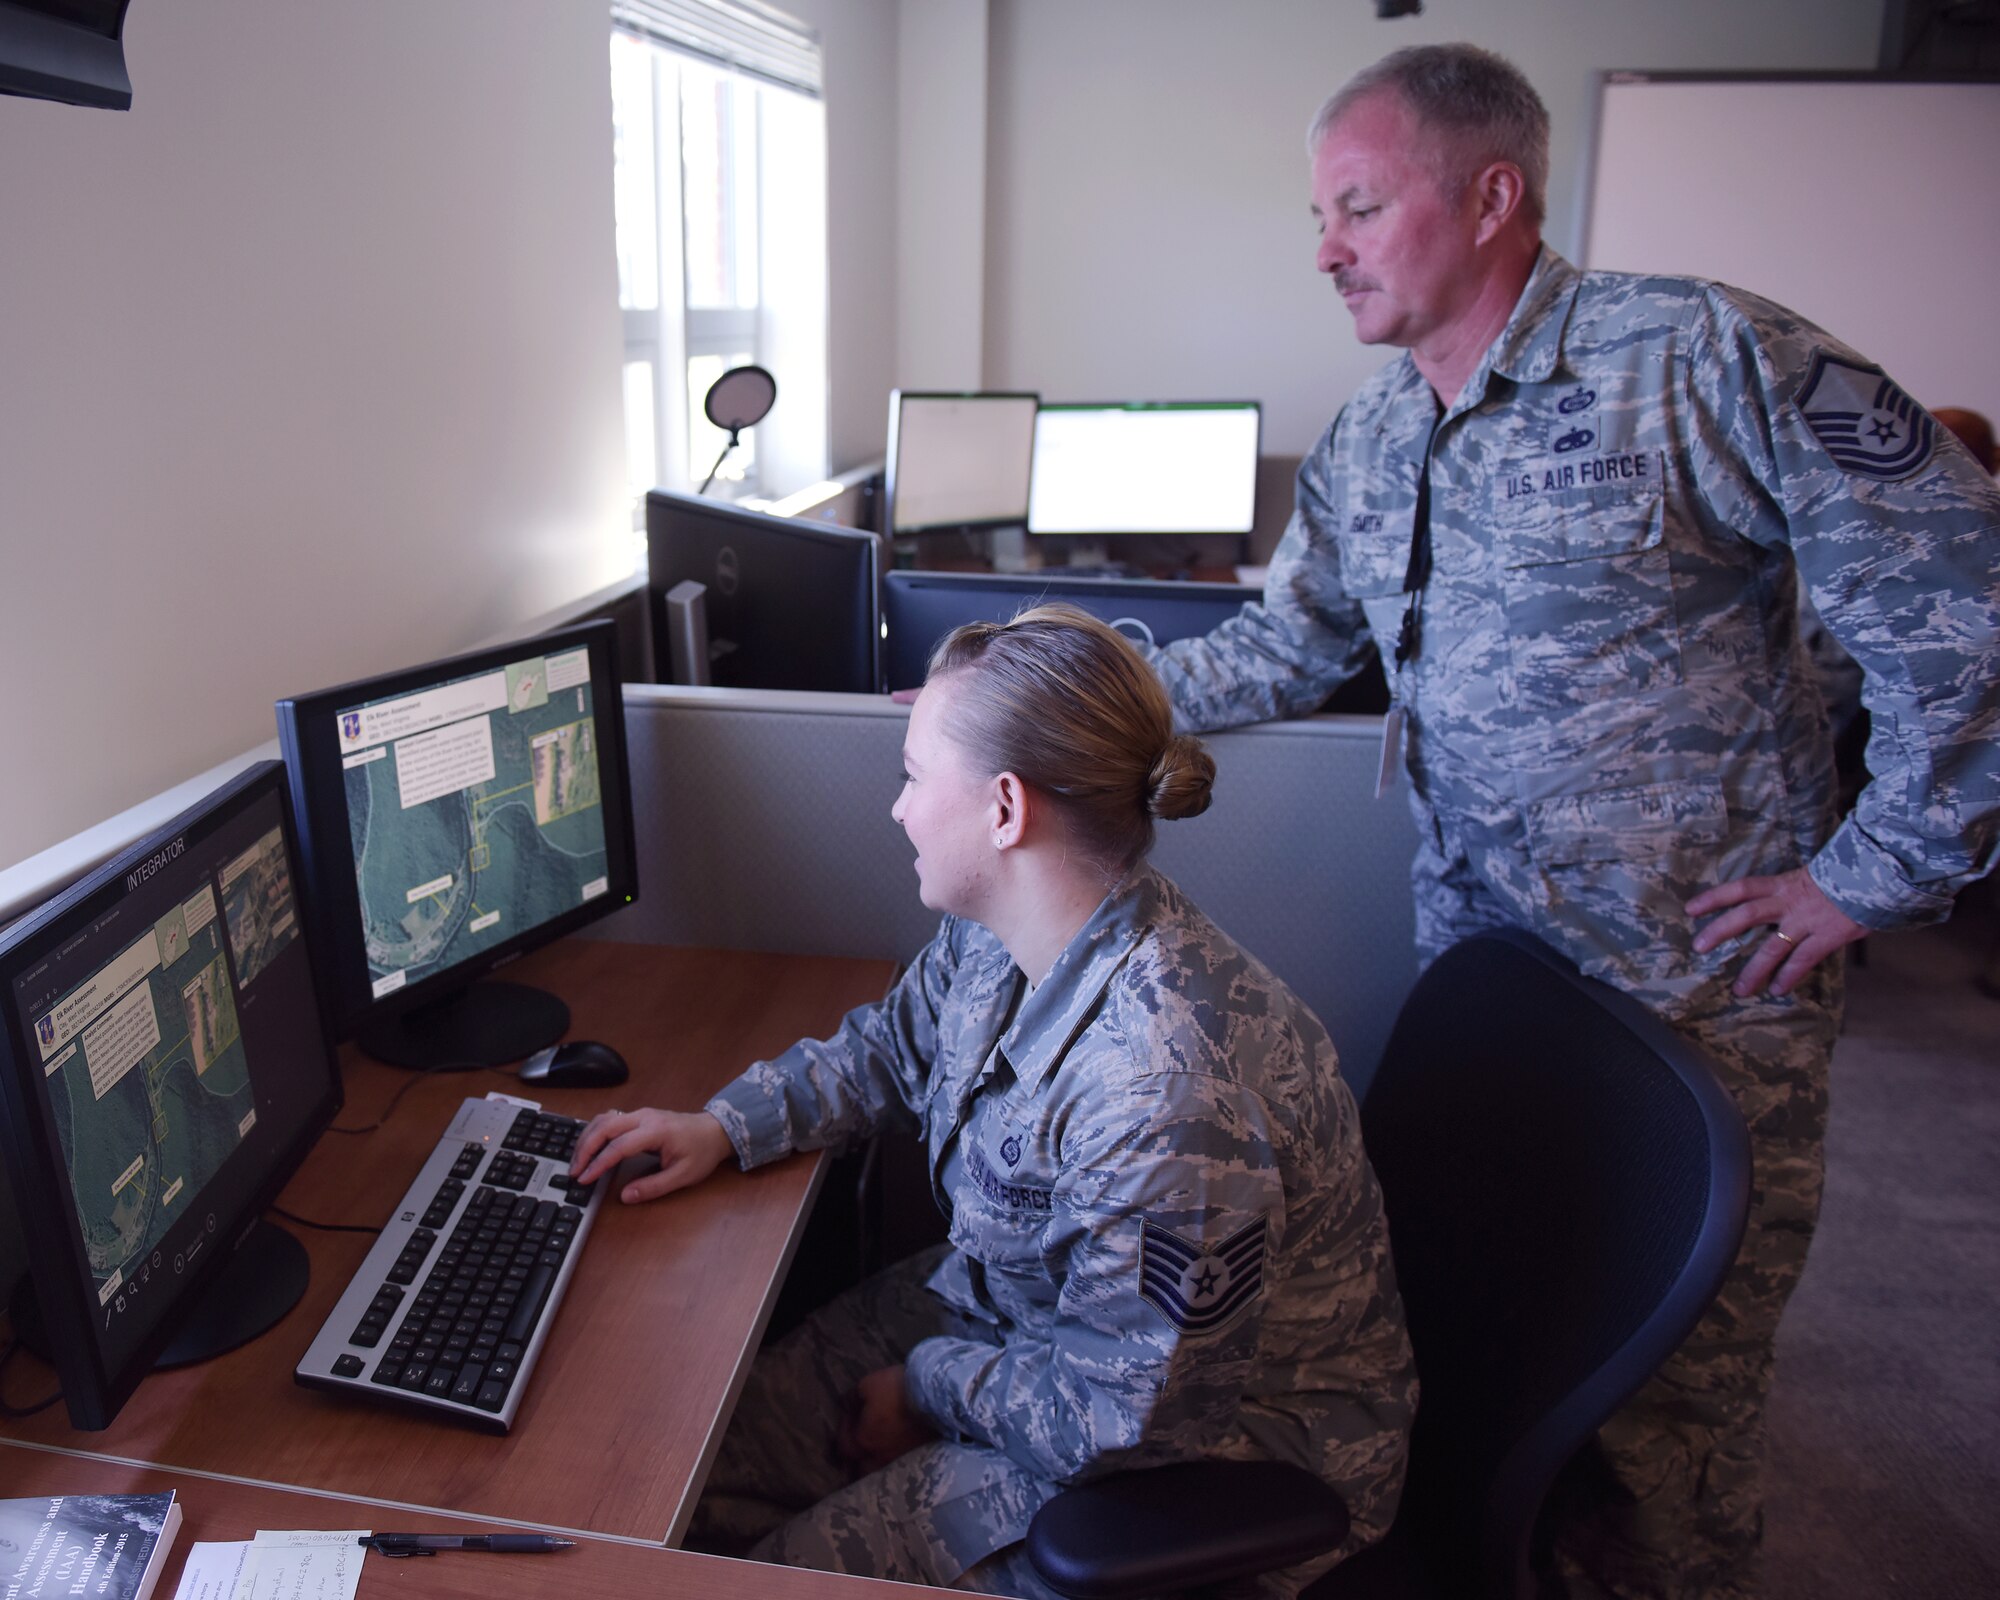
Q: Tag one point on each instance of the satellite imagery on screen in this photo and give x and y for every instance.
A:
(149, 1086)
(474, 811)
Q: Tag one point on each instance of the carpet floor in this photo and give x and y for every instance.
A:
(1884, 1421)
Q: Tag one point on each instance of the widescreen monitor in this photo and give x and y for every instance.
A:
(920, 608)
(452, 817)
(959, 460)
(1172, 467)
(163, 1072)
(785, 603)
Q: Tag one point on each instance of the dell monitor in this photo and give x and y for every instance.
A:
(959, 461)
(744, 600)
(1166, 467)
(452, 817)
(163, 1072)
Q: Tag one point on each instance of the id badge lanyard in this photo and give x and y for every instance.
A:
(1409, 637)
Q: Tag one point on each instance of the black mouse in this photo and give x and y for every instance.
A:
(577, 1064)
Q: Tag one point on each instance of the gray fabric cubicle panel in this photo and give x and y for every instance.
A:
(1308, 871)
(763, 824)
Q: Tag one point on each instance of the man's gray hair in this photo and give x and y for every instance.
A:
(1478, 107)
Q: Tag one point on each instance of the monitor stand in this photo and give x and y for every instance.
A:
(262, 1281)
(482, 1025)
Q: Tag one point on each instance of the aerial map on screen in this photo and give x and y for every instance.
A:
(148, 1082)
(475, 812)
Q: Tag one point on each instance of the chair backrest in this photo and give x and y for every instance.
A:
(1566, 1184)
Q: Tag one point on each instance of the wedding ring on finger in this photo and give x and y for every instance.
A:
(1780, 932)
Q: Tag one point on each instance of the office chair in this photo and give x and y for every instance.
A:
(1566, 1184)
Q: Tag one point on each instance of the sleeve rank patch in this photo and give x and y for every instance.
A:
(1199, 1288)
(1867, 424)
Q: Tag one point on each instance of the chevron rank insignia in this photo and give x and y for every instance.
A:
(1198, 1287)
(1865, 422)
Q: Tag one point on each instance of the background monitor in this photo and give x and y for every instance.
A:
(787, 604)
(451, 817)
(959, 460)
(163, 1072)
(1175, 467)
(920, 608)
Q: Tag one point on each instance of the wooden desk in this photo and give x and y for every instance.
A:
(604, 1569)
(649, 1349)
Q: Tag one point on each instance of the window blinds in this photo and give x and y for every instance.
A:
(743, 35)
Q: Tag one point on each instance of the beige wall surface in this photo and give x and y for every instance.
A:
(309, 363)
(1147, 227)
(308, 369)
(858, 41)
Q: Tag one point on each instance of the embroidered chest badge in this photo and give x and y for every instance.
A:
(1867, 424)
(1010, 1149)
(1198, 1288)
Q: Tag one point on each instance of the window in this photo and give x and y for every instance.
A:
(719, 177)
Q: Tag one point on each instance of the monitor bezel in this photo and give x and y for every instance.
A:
(308, 738)
(93, 1391)
(1255, 407)
(891, 470)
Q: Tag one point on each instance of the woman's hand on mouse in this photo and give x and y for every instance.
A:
(690, 1146)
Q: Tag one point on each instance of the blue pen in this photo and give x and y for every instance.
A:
(399, 1545)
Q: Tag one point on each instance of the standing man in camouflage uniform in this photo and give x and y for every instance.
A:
(1572, 514)
(1166, 1241)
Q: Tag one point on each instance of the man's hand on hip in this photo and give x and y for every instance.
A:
(1808, 928)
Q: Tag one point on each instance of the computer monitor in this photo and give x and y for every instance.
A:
(742, 600)
(452, 817)
(163, 1072)
(1172, 467)
(920, 608)
(959, 460)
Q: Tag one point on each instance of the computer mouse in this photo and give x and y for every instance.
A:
(576, 1064)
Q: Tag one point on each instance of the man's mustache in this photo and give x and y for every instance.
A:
(1348, 282)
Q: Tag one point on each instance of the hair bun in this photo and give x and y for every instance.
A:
(1182, 779)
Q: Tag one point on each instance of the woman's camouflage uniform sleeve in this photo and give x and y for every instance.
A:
(868, 1076)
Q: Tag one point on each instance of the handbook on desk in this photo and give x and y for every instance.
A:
(111, 1546)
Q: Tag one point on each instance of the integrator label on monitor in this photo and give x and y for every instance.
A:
(475, 810)
(1183, 467)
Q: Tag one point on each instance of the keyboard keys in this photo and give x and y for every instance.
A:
(468, 1289)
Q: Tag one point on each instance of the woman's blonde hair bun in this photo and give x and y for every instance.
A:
(1182, 780)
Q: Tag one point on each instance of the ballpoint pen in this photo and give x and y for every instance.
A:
(398, 1545)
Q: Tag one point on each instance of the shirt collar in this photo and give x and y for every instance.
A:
(1063, 1002)
(1530, 346)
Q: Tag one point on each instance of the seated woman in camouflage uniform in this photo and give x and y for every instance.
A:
(1165, 1239)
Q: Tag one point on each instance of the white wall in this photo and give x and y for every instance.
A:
(308, 368)
(309, 363)
(858, 38)
(1672, 191)
(941, 195)
(1147, 225)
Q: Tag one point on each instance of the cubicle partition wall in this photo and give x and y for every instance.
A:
(763, 823)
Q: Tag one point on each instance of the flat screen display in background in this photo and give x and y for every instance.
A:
(959, 460)
(1179, 467)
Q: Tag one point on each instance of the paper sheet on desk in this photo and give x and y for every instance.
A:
(316, 1564)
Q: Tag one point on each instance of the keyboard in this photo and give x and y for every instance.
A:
(452, 1305)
